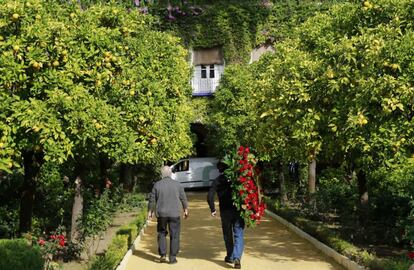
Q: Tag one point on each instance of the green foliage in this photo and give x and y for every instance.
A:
(232, 25)
(288, 116)
(53, 198)
(18, 254)
(232, 114)
(52, 247)
(9, 220)
(96, 80)
(117, 248)
(200, 107)
(113, 255)
(336, 192)
(9, 215)
(385, 264)
(340, 87)
(364, 76)
(287, 15)
(81, 84)
(146, 175)
(131, 201)
(237, 26)
(130, 231)
(391, 202)
(119, 244)
(98, 215)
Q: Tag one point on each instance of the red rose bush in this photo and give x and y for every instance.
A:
(242, 173)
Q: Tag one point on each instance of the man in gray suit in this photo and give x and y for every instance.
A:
(167, 198)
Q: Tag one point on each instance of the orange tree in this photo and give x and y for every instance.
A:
(268, 105)
(368, 83)
(89, 82)
(341, 86)
(352, 69)
(290, 120)
(232, 112)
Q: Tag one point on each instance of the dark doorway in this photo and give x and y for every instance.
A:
(201, 133)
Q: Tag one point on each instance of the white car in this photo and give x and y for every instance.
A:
(195, 172)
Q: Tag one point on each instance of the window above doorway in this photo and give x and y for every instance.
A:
(208, 68)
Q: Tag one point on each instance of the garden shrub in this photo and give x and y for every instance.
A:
(132, 229)
(140, 220)
(388, 264)
(131, 201)
(18, 254)
(113, 255)
(53, 199)
(9, 220)
(120, 244)
(98, 215)
(334, 192)
(129, 230)
(9, 204)
(118, 248)
(391, 193)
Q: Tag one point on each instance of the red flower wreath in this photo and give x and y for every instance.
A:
(245, 192)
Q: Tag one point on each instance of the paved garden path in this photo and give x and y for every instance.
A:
(269, 246)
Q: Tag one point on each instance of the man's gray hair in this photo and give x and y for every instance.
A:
(166, 171)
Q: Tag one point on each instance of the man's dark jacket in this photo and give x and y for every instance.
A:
(223, 189)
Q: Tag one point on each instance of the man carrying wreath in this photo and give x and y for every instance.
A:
(231, 221)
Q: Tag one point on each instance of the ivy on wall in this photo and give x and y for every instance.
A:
(232, 25)
(287, 15)
(236, 25)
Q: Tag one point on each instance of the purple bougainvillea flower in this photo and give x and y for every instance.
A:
(143, 10)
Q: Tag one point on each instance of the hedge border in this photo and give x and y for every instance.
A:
(123, 263)
(121, 244)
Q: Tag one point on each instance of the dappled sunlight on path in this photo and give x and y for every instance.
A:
(268, 246)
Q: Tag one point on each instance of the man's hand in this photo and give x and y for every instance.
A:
(185, 213)
(213, 214)
(150, 214)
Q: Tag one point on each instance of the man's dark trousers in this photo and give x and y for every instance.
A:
(173, 224)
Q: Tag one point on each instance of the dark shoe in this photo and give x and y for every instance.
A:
(228, 260)
(173, 260)
(163, 259)
(237, 264)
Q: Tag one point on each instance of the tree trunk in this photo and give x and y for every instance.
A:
(126, 176)
(312, 182)
(77, 210)
(77, 207)
(282, 181)
(312, 177)
(363, 197)
(258, 180)
(104, 165)
(32, 162)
